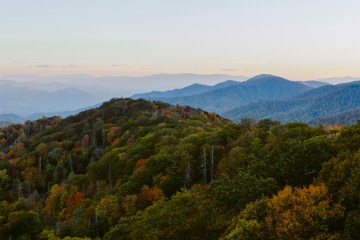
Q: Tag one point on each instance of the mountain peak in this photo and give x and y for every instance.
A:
(197, 85)
(226, 83)
(266, 78)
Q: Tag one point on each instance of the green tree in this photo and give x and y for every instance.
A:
(237, 192)
(21, 225)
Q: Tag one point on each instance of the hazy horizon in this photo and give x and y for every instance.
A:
(39, 76)
(296, 40)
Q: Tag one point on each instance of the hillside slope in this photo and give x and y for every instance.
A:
(24, 101)
(343, 118)
(262, 87)
(193, 89)
(321, 102)
(134, 169)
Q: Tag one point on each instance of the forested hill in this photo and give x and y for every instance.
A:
(133, 169)
(186, 91)
(316, 104)
(343, 118)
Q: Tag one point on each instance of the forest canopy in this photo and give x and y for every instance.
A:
(135, 169)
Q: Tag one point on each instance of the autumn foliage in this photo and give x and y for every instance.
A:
(135, 169)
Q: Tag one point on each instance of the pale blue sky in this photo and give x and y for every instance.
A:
(296, 39)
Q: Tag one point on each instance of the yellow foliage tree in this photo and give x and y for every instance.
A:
(302, 213)
(109, 207)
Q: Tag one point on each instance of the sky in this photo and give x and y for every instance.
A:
(306, 39)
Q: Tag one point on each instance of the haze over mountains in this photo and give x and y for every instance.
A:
(224, 97)
(31, 97)
(193, 89)
(27, 98)
(120, 85)
(267, 96)
(26, 95)
(25, 101)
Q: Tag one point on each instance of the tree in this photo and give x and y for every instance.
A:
(4, 180)
(303, 213)
(203, 167)
(187, 176)
(109, 207)
(237, 192)
(21, 225)
(187, 215)
(56, 200)
(249, 224)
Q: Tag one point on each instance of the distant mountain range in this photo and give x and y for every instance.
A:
(315, 84)
(13, 118)
(193, 89)
(25, 101)
(231, 94)
(338, 80)
(268, 96)
(316, 101)
(10, 118)
(25, 95)
(116, 86)
(315, 106)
